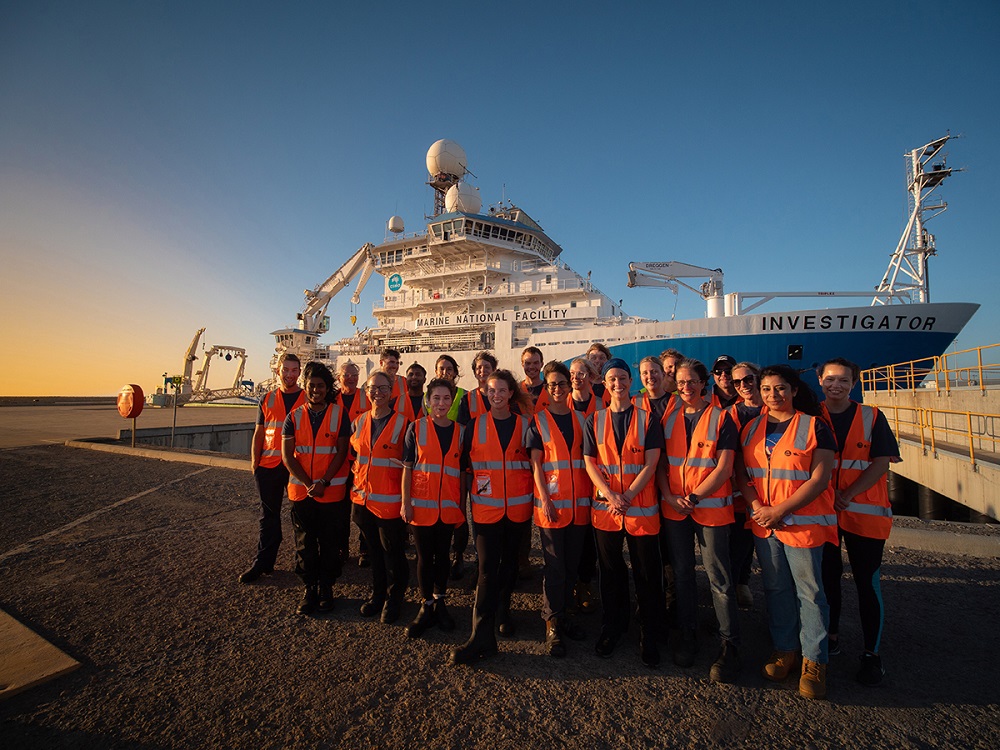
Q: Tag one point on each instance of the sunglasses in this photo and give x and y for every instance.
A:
(723, 371)
(747, 381)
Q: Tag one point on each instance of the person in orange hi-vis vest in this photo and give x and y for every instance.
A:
(432, 493)
(694, 477)
(562, 503)
(269, 473)
(783, 470)
(474, 403)
(314, 447)
(865, 448)
(621, 448)
(599, 354)
(501, 495)
(377, 443)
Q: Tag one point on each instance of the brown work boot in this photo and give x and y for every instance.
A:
(812, 683)
(780, 665)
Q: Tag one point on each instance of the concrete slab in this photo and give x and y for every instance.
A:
(27, 659)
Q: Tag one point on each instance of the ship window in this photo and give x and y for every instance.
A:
(459, 226)
(573, 303)
(795, 351)
(494, 231)
(436, 228)
(548, 278)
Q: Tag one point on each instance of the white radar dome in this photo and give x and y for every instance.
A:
(447, 157)
(464, 198)
(396, 224)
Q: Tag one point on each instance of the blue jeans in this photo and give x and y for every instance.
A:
(797, 612)
(714, 543)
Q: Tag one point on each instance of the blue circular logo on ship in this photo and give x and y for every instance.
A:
(395, 282)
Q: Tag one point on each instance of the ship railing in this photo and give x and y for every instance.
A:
(968, 369)
(970, 433)
(508, 289)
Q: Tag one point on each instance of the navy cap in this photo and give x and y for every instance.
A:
(724, 359)
(616, 363)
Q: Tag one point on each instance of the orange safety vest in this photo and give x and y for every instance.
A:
(643, 516)
(398, 387)
(378, 469)
(403, 405)
(502, 482)
(869, 514)
(566, 475)
(273, 406)
(476, 403)
(359, 405)
(739, 502)
(543, 398)
(690, 466)
(316, 452)
(779, 475)
(436, 480)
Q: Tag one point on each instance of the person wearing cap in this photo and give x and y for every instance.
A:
(724, 392)
(622, 445)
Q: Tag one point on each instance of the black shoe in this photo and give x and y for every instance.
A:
(482, 644)
(727, 667)
(606, 643)
(649, 652)
(325, 603)
(424, 619)
(686, 649)
(871, 672)
(251, 574)
(554, 645)
(390, 612)
(372, 607)
(444, 619)
(571, 630)
(310, 600)
(457, 568)
(506, 625)
(363, 561)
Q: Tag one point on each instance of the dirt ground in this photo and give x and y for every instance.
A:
(177, 654)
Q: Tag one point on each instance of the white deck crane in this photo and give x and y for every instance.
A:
(669, 274)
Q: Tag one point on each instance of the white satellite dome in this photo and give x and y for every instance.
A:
(396, 224)
(463, 197)
(446, 157)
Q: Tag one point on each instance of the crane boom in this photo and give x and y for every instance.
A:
(318, 299)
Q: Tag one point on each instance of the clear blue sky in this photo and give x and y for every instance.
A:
(171, 165)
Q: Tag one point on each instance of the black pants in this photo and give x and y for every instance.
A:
(587, 568)
(271, 484)
(647, 573)
(385, 538)
(316, 524)
(561, 556)
(433, 563)
(865, 556)
(497, 545)
(741, 550)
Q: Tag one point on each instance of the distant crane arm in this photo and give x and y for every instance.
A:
(669, 274)
(318, 299)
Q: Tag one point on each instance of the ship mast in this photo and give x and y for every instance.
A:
(906, 279)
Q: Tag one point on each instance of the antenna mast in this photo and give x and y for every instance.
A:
(906, 279)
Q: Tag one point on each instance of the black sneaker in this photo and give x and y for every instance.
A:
(871, 672)
(727, 667)
(606, 643)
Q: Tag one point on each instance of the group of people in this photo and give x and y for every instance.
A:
(740, 459)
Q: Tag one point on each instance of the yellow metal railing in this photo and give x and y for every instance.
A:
(977, 433)
(943, 373)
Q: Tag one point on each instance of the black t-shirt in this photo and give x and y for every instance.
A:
(348, 400)
(746, 414)
(883, 441)
(620, 423)
(444, 437)
(582, 405)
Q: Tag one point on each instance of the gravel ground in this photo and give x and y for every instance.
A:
(177, 654)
